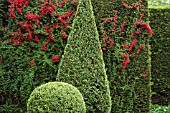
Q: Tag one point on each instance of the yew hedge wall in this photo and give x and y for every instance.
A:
(160, 22)
(82, 64)
(31, 47)
(126, 52)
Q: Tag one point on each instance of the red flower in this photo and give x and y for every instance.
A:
(105, 42)
(19, 5)
(50, 37)
(32, 62)
(66, 15)
(30, 37)
(36, 39)
(124, 46)
(144, 25)
(122, 26)
(44, 47)
(19, 23)
(55, 25)
(132, 45)
(111, 44)
(145, 75)
(127, 60)
(23, 36)
(47, 27)
(75, 13)
(115, 20)
(32, 17)
(103, 31)
(5, 29)
(104, 49)
(65, 25)
(11, 12)
(55, 59)
(62, 4)
(16, 42)
(64, 35)
(121, 54)
(142, 15)
(47, 7)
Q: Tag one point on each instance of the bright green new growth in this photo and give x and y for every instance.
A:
(56, 97)
(82, 64)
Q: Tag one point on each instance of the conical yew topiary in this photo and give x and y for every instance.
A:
(82, 64)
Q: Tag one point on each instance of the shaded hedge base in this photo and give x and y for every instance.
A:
(160, 23)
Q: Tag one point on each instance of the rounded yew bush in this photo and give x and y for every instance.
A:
(56, 97)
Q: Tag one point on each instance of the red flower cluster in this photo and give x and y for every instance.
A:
(64, 35)
(62, 18)
(32, 63)
(144, 25)
(127, 60)
(44, 46)
(145, 75)
(138, 50)
(33, 17)
(122, 27)
(62, 3)
(114, 18)
(47, 8)
(137, 5)
(127, 48)
(106, 39)
(28, 29)
(19, 5)
(55, 59)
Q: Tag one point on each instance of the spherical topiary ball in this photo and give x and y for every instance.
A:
(56, 97)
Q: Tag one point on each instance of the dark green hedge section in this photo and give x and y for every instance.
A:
(130, 92)
(56, 97)
(82, 64)
(17, 77)
(160, 22)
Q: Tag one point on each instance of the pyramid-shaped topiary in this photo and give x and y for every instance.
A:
(82, 64)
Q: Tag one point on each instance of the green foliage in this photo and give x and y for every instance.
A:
(17, 77)
(130, 92)
(82, 64)
(158, 2)
(56, 97)
(160, 23)
(3, 15)
(160, 109)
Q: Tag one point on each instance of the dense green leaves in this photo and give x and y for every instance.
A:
(17, 77)
(82, 64)
(56, 97)
(160, 23)
(130, 92)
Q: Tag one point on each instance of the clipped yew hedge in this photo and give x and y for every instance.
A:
(160, 47)
(56, 97)
(82, 64)
(31, 47)
(126, 56)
